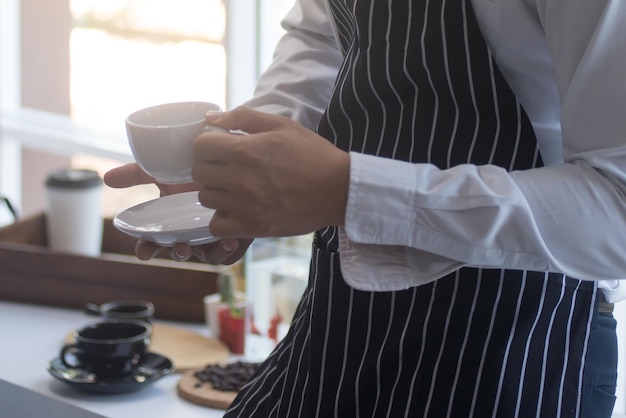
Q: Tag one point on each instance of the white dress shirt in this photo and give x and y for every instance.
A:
(409, 224)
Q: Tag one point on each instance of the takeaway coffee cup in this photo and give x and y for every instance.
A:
(161, 138)
(140, 310)
(74, 219)
(109, 349)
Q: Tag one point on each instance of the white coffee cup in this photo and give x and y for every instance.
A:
(74, 218)
(161, 138)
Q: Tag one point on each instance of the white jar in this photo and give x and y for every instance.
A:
(74, 217)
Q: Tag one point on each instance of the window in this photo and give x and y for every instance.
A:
(124, 54)
(129, 54)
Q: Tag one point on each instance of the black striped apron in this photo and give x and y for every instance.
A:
(419, 84)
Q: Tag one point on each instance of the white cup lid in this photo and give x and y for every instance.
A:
(72, 178)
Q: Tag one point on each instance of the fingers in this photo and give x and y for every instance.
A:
(226, 251)
(214, 150)
(238, 252)
(218, 252)
(126, 176)
(131, 174)
(146, 250)
(180, 252)
(225, 224)
(245, 119)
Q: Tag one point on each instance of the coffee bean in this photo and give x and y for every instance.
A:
(230, 377)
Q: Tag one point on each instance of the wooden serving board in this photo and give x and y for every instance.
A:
(186, 349)
(204, 394)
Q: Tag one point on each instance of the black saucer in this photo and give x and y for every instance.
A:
(153, 367)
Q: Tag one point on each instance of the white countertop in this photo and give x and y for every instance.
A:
(32, 335)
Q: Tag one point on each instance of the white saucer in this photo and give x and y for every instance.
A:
(177, 218)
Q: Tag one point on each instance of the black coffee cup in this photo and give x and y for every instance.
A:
(123, 309)
(109, 349)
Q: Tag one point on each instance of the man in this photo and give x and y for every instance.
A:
(469, 192)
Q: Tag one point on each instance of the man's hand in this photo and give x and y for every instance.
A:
(278, 179)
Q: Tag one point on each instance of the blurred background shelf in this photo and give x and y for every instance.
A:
(32, 273)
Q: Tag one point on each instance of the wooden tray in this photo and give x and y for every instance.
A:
(32, 273)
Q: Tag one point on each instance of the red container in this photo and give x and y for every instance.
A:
(232, 330)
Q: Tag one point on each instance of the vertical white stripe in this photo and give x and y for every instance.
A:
(329, 234)
(260, 386)
(508, 348)
(326, 333)
(306, 385)
(345, 351)
(401, 352)
(464, 344)
(529, 340)
(423, 346)
(443, 344)
(547, 342)
(355, 90)
(339, 87)
(390, 323)
(357, 384)
(470, 76)
(342, 20)
(455, 127)
(345, 114)
(369, 78)
(409, 77)
(255, 386)
(268, 393)
(388, 62)
(435, 109)
(487, 340)
(518, 137)
(582, 365)
(536, 157)
(496, 104)
(298, 365)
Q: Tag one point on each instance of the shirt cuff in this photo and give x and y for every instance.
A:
(384, 268)
(369, 260)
